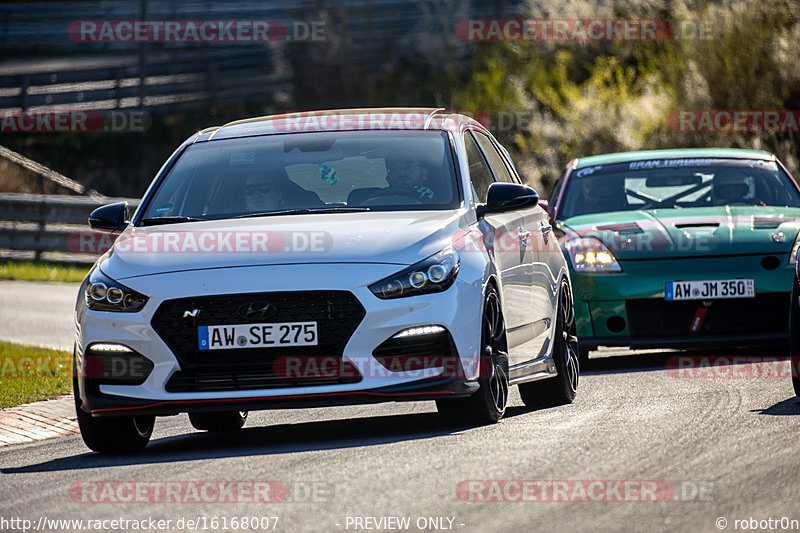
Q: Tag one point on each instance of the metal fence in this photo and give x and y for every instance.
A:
(47, 224)
(198, 79)
(47, 69)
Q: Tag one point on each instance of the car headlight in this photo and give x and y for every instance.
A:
(589, 254)
(795, 248)
(105, 294)
(433, 274)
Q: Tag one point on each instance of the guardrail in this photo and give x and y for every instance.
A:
(198, 78)
(358, 38)
(53, 223)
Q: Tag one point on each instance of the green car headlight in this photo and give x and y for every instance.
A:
(589, 254)
(795, 248)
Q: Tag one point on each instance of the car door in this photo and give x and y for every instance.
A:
(510, 245)
(536, 244)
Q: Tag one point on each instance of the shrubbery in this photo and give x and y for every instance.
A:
(591, 98)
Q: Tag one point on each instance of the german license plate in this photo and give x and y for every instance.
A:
(711, 289)
(257, 335)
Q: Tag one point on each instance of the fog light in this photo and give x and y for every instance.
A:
(420, 348)
(115, 364)
(103, 347)
(770, 262)
(422, 330)
(615, 324)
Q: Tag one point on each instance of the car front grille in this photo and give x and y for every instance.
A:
(337, 313)
(653, 317)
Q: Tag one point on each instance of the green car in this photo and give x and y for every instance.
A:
(679, 248)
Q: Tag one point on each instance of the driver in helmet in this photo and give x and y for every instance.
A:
(602, 194)
(732, 188)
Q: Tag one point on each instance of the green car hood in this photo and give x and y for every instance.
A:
(690, 232)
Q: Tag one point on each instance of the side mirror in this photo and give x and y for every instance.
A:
(507, 197)
(111, 218)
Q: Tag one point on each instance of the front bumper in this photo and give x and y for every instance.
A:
(99, 404)
(628, 308)
(457, 310)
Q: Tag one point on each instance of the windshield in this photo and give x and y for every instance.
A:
(308, 172)
(677, 183)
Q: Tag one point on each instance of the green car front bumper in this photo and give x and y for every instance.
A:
(629, 308)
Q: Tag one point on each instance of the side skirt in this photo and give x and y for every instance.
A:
(532, 371)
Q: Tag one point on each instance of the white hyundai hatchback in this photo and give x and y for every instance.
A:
(319, 259)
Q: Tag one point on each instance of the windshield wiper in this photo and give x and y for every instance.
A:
(155, 221)
(306, 211)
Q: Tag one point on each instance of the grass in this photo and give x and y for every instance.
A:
(40, 271)
(30, 373)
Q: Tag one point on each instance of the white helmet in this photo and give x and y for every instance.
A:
(732, 186)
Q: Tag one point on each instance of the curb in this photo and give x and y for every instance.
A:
(31, 422)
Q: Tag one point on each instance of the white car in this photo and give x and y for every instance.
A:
(318, 259)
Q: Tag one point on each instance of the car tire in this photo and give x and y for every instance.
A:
(562, 388)
(218, 421)
(488, 404)
(113, 434)
(795, 378)
(794, 342)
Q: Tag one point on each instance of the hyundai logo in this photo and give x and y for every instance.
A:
(257, 310)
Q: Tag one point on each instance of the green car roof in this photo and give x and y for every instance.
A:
(680, 153)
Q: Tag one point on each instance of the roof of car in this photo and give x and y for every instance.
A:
(389, 118)
(680, 153)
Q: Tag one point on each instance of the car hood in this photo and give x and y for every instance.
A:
(401, 238)
(706, 231)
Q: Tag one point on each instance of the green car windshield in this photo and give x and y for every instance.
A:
(677, 183)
